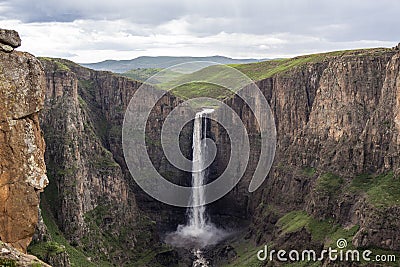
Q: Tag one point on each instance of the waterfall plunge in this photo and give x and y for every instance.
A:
(199, 232)
(197, 217)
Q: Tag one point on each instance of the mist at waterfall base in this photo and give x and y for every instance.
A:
(199, 231)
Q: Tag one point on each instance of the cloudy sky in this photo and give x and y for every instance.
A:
(94, 30)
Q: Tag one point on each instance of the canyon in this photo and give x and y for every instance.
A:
(335, 173)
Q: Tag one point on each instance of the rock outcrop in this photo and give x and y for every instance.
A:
(22, 166)
(9, 256)
(9, 39)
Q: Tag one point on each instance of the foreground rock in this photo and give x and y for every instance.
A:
(9, 256)
(10, 37)
(22, 167)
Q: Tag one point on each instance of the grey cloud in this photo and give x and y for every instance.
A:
(147, 12)
(368, 19)
(189, 26)
(362, 19)
(39, 11)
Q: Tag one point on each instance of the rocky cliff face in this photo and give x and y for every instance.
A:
(337, 152)
(335, 171)
(22, 167)
(88, 194)
(91, 195)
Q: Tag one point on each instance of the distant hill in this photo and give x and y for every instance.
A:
(121, 66)
(143, 74)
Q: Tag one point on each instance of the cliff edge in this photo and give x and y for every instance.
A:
(22, 166)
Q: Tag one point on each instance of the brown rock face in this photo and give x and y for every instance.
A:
(88, 195)
(338, 116)
(22, 167)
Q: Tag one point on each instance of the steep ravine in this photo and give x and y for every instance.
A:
(335, 172)
(89, 198)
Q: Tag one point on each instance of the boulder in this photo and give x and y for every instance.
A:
(10, 37)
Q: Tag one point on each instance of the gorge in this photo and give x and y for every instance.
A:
(335, 173)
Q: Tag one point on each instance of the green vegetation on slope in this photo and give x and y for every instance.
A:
(309, 171)
(246, 255)
(98, 238)
(382, 190)
(8, 263)
(216, 81)
(325, 231)
(143, 75)
(320, 230)
(58, 243)
(329, 183)
(199, 89)
(293, 221)
(60, 66)
(120, 66)
(216, 74)
(266, 69)
(46, 249)
(220, 74)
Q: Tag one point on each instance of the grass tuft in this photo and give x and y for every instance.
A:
(321, 230)
(329, 183)
(309, 171)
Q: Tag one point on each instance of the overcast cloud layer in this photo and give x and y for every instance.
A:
(91, 31)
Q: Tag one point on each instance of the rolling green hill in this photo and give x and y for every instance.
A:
(121, 66)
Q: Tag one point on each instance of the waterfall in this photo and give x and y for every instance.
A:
(198, 232)
(197, 217)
